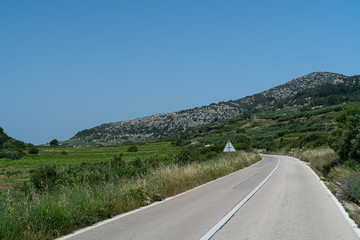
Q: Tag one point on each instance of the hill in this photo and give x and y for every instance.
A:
(284, 129)
(315, 89)
(10, 147)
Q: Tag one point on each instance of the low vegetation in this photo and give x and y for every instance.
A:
(49, 191)
(321, 160)
(12, 149)
(342, 178)
(57, 201)
(284, 129)
(340, 166)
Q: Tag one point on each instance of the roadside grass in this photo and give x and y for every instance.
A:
(343, 180)
(320, 160)
(26, 213)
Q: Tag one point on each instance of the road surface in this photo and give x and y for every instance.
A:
(292, 204)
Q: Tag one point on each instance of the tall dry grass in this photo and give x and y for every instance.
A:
(321, 160)
(343, 179)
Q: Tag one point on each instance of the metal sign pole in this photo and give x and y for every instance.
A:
(229, 148)
(229, 151)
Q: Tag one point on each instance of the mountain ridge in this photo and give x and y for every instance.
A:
(165, 124)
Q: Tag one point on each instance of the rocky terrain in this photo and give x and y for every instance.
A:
(160, 125)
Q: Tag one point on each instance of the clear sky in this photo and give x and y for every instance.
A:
(70, 65)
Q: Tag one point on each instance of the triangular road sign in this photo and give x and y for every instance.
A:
(229, 147)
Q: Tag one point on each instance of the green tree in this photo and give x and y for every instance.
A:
(345, 139)
(132, 148)
(242, 142)
(185, 156)
(247, 115)
(33, 150)
(54, 143)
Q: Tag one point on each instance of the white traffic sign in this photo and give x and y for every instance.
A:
(229, 147)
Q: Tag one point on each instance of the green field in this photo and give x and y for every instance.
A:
(15, 171)
(92, 184)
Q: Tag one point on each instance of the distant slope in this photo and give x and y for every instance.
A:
(10, 147)
(318, 88)
(289, 128)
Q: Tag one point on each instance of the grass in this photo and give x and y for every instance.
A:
(320, 160)
(343, 180)
(92, 154)
(29, 214)
(15, 171)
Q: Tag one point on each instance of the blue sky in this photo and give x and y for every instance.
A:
(70, 65)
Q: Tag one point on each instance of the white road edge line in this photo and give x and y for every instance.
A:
(339, 205)
(232, 212)
(77, 232)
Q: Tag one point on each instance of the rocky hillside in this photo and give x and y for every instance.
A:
(299, 91)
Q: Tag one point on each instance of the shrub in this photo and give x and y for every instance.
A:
(351, 188)
(54, 143)
(181, 142)
(132, 148)
(137, 163)
(7, 144)
(214, 148)
(33, 150)
(185, 156)
(240, 130)
(11, 154)
(44, 177)
(345, 139)
(63, 152)
(207, 156)
(305, 108)
(153, 161)
(117, 161)
(195, 147)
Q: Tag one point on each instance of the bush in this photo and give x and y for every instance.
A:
(137, 163)
(351, 188)
(54, 143)
(33, 150)
(181, 142)
(132, 148)
(207, 156)
(345, 139)
(117, 161)
(7, 144)
(185, 156)
(218, 148)
(11, 154)
(44, 177)
(63, 152)
(242, 146)
(153, 161)
(195, 147)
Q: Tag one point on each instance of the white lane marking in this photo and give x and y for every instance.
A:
(339, 205)
(77, 232)
(232, 212)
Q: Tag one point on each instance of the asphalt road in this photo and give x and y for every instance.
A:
(292, 204)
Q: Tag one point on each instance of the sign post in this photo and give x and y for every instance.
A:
(229, 148)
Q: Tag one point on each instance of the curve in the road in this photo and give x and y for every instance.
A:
(293, 204)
